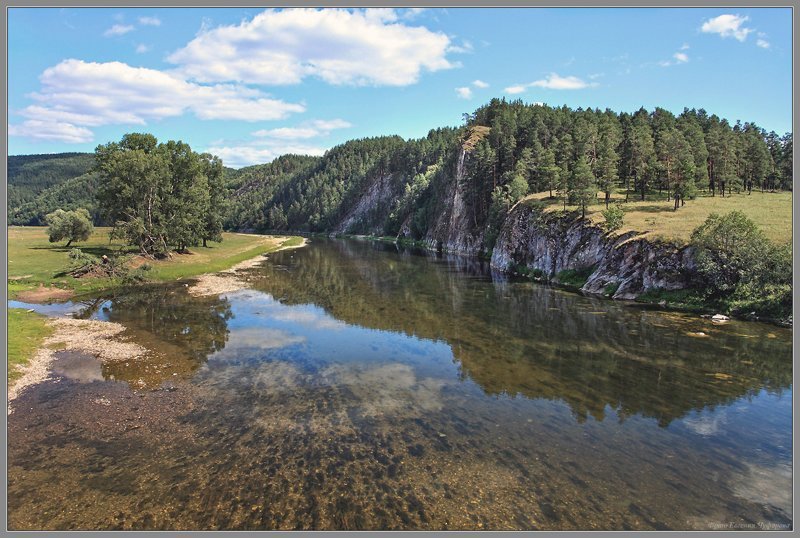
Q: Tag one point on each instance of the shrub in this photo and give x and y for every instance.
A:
(614, 216)
(70, 225)
(740, 267)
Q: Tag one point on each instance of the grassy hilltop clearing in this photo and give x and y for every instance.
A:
(654, 218)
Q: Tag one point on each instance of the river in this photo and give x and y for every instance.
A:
(359, 385)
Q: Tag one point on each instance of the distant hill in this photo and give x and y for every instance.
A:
(30, 175)
(40, 184)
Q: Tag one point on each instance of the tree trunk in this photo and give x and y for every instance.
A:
(69, 243)
(608, 197)
(205, 244)
(677, 200)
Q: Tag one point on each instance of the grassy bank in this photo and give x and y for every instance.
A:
(655, 218)
(33, 262)
(26, 331)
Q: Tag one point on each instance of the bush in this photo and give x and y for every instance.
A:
(741, 268)
(70, 225)
(614, 216)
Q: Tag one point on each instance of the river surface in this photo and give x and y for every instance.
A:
(361, 386)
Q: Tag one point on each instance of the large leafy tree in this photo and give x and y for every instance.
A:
(159, 196)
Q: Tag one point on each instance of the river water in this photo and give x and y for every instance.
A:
(358, 385)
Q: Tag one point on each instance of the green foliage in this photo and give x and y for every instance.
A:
(740, 267)
(575, 277)
(30, 175)
(70, 225)
(160, 196)
(614, 216)
(611, 289)
(70, 194)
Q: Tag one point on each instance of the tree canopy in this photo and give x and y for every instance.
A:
(160, 196)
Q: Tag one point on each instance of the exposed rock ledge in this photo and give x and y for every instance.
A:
(548, 243)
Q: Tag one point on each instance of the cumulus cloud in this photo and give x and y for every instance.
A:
(118, 29)
(480, 84)
(87, 94)
(149, 21)
(553, 81)
(519, 88)
(681, 57)
(341, 47)
(51, 131)
(310, 129)
(141, 48)
(465, 92)
(727, 26)
(763, 43)
(239, 155)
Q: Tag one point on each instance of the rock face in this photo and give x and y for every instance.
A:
(373, 206)
(453, 230)
(550, 244)
(626, 265)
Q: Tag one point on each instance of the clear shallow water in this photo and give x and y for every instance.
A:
(355, 386)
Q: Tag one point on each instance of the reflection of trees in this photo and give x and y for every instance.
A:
(183, 330)
(521, 338)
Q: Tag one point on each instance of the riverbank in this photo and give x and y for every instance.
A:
(101, 339)
(36, 267)
(33, 268)
(231, 279)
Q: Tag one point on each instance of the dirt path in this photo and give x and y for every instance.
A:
(230, 279)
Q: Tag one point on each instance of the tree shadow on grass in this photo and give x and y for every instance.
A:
(94, 251)
(653, 209)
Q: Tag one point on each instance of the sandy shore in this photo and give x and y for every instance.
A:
(229, 280)
(100, 338)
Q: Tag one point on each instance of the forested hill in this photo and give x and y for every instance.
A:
(457, 184)
(40, 184)
(468, 177)
(29, 175)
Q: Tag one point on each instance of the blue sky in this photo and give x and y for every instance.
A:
(249, 84)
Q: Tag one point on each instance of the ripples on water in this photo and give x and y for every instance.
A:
(358, 387)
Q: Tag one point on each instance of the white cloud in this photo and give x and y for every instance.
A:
(51, 131)
(239, 155)
(464, 92)
(555, 82)
(685, 46)
(311, 129)
(464, 48)
(342, 47)
(763, 43)
(681, 57)
(141, 48)
(84, 94)
(727, 26)
(480, 84)
(595, 76)
(118, 29)
(150, 21)
(519, 88)
(413, 12)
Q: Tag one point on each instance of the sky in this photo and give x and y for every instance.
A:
(249, 85)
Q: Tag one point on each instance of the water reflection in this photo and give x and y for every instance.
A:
(355, 388)
(524, 339)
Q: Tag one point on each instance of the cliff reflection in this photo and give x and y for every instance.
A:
(523, 339)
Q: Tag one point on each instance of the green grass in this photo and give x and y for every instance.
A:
(26, 331)
(655, 218)
(33, 261)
